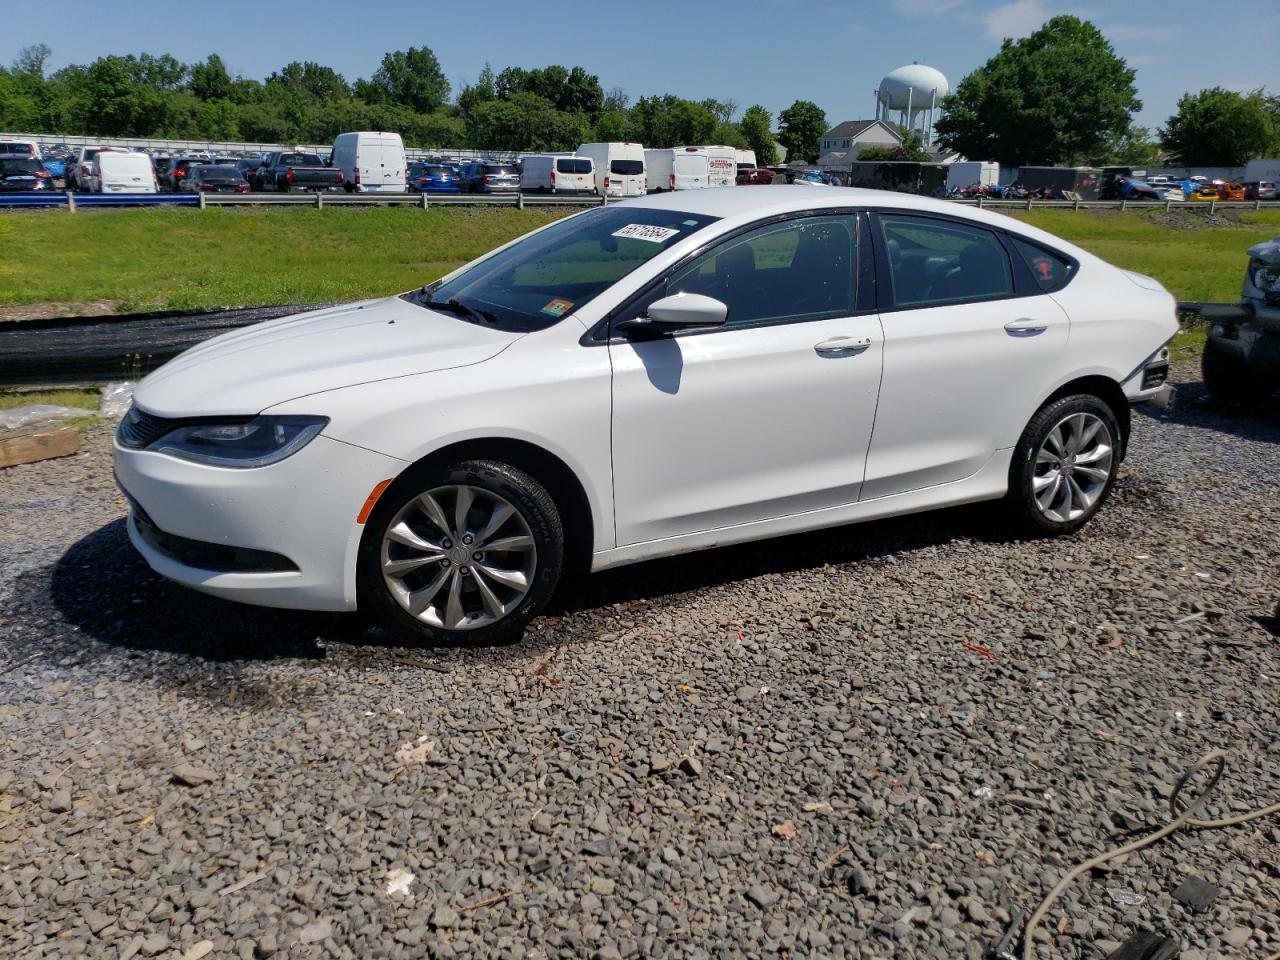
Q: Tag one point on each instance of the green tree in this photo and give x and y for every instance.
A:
(31, 60)
(729, 135)
(19, 107)
(311, 80)
(1218, 127)
(669, 121)
(611, 127)
(616, 100)
(1057, 96)
(210, 80)
(474, 94)
(756, 124)
(800, 130)
(1132, 148)
(164, 72)
(722, 110)
(412, 78)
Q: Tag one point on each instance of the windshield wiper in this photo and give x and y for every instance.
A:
(459, 308)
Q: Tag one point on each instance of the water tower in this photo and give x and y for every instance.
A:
(909, 96)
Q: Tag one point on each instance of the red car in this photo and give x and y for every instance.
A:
(748, 175)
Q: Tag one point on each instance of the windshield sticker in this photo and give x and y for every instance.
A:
(557, 308)
(644, 231)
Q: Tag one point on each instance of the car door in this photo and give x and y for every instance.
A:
(767, 416)
(971, 342)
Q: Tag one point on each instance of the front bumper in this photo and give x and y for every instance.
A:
(301, 511)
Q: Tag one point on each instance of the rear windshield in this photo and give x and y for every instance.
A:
(9, 146)
(626, 168)
(499, 168)
(546, 276)
(573, 165)
(18, 166)
(435, 170)
(300, 160)
(211, 172)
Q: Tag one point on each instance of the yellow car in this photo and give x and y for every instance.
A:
(1204, 193)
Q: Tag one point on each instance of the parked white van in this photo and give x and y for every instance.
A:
(114, 171)
(744, 158)
(678, 168)
(722, 165)
(371, 162)
(558, 173)
(619, 168)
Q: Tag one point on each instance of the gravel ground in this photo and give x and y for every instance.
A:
(782, 749)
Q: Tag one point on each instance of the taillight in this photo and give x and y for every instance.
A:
(671, 183)
(357, 176)
(288, 175)
(606, 183)
(341, 179)
(553, 178)
(242, 188)
(488, 178)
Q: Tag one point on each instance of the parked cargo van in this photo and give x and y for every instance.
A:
(722, 165)
(678, 168)
(558, 173)
(745, 159)
(619, 168)
(119, 172)
(371, 162)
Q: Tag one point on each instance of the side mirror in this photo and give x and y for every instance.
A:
(677, 312)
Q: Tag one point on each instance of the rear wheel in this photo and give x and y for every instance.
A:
(465, 554)
(1064, 465)
(1229, 377)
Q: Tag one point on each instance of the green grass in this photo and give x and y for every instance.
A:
(155, 259)
(61, 398)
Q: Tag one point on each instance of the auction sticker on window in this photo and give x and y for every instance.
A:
(644, 231)
(557, 307)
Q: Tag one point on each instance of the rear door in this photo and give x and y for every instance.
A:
(970, 343)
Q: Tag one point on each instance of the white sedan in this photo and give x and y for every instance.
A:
(644, 379)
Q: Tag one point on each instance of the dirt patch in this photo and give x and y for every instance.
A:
(39, 311)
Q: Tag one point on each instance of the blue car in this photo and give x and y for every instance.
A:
(56, 166)
(432, 178)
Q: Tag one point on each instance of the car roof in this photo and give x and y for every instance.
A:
(756, 202)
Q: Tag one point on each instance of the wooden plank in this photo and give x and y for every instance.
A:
(42, 445)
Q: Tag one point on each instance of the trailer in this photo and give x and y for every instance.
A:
(1060, 183)
(900, 176)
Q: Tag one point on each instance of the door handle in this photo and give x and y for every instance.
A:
(1026, 325)
(842, 344)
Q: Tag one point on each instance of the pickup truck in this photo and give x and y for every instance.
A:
(285, 172)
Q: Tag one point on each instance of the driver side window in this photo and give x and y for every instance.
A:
(796, 270)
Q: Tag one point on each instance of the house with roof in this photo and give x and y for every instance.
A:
(843, 142)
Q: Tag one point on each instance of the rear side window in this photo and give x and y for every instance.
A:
(626, 168)
(573, 165)
(1051, 270)
(940, 261)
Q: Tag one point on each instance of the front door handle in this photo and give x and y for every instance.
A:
(843, 345)
(1026, 325)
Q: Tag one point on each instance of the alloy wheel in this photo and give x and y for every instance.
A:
(1072, 467)
(458, 557)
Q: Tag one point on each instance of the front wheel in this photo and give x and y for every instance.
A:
(1064, 465)
(465, 554)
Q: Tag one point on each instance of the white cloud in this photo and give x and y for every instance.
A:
(924, 8)
(1017, 19)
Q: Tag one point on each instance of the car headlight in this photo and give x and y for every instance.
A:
(1266, 278)
(250, 443)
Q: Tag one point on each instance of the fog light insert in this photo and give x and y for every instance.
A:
(1154, 375)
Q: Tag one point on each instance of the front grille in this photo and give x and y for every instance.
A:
(140, 429)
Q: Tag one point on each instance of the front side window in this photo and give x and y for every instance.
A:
(795, 270)
(555, 272)
(939, 261)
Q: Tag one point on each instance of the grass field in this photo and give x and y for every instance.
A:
(156, 259)
(131, 260)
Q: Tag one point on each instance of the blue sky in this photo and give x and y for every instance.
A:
(771, 53)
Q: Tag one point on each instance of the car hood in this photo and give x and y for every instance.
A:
(248, 370)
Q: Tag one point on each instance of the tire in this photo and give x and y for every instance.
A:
(1064, 465)
(1230, 378)
(410, 580)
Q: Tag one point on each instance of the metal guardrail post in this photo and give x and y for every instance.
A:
(979, 201)
(71, 201)
(1075, 204)
(1029, 202)
(1168, 205)
(319, 200)
(519, 201)
(1123, 201)
(423, 202)
(1257, 204)
(1213, 205)
(201, 196)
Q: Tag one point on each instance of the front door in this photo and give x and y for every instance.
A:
(767, 416)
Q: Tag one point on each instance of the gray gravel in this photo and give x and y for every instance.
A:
(781, 749)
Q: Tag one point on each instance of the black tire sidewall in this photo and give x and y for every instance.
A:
(1229, 377)
(1026, 513)
(523, 492)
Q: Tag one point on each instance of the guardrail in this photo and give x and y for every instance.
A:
(75, 201)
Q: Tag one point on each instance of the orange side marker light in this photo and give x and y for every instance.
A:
(372, 501)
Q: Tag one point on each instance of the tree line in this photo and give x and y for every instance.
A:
(550, 108)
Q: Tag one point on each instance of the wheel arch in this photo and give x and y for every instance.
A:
(1104, 388)
(561, 482)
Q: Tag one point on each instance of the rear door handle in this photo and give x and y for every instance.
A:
(1026, 325)
(843, 345)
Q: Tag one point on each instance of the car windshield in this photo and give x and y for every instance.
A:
(8, 166)
(534, 283)
(626, 168)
